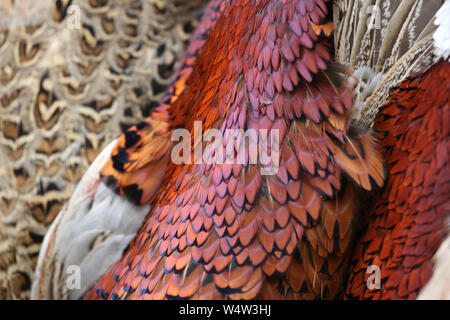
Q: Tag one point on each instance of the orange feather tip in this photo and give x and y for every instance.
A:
(323, 29)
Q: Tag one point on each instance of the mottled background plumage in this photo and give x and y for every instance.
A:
(64, 94)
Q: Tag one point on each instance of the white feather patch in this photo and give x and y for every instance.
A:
(24, 12)
(365, 80)
(438, 288)
(442, 34)
(90, 233)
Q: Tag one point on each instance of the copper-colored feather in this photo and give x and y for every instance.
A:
(408, 220)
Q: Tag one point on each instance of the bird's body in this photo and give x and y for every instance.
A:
(228, 231)
(225, 230)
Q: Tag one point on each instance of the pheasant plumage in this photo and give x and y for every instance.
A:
(228, 231)
(220, 231)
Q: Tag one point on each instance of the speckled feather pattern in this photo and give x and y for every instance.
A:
(392, 39)
(226, 231)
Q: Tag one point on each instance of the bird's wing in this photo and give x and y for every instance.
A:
(219, 231)
(383, 42)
